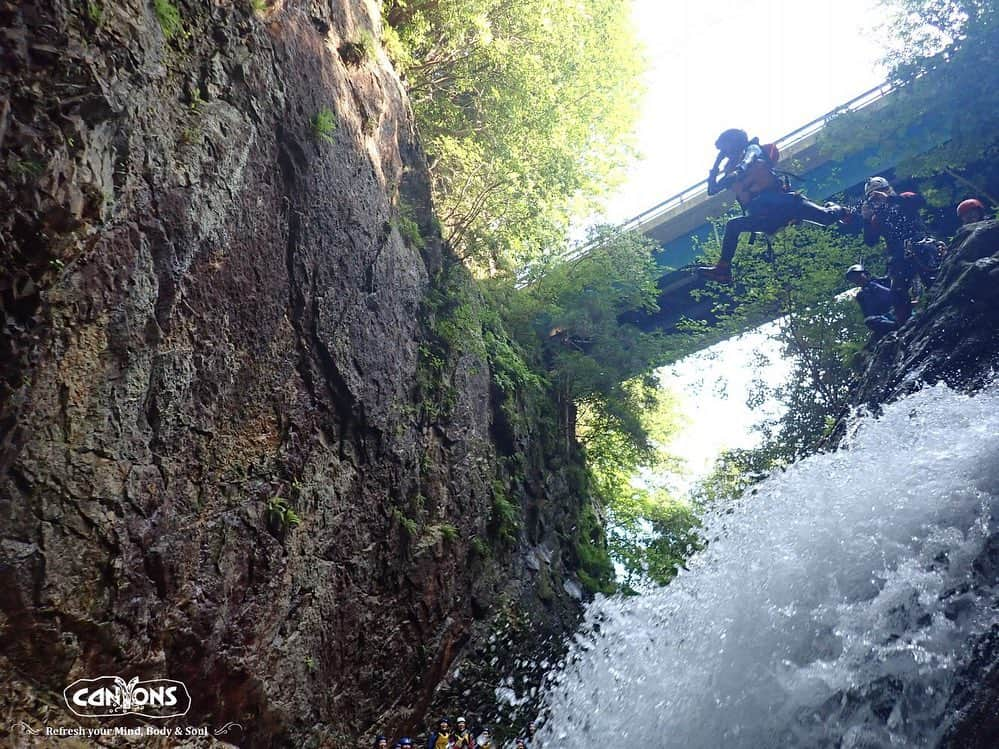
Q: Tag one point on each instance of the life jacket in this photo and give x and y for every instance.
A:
(759, 177)
(899, 222)
(443, 741)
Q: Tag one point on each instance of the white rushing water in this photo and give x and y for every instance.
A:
(830, 609)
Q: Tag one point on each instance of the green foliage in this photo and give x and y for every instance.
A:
(572, 334)
(510, 370)
(651, 535)
(169, 18)
(407, 225)
(820, 337)
(945, 61)
(25, 168)
(504, 521)
(394, 47)
(408, 524)
(481, 548)
(310, 663)
(459, 323)
(822, 342)
(648, 533)
(525, 107)
(95, 11)
(358, 51)
(259, 6)
(280, 514)
(574, 310)
(596, 571)
(435, 534)
(324, 125)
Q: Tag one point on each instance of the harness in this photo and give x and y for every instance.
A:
(758, 178)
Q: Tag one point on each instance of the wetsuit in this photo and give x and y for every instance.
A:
(439, 740)
(898, 222)
(875, 300)
(768, 207)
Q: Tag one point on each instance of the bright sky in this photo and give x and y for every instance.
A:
(712, 387)
(766, 66)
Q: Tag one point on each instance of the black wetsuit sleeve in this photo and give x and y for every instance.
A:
(871, 234)
(874, 299)
(714, 185)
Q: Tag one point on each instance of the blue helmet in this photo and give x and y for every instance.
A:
(732, 139)
(406, 741)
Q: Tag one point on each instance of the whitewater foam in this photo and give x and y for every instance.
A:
(832, 606)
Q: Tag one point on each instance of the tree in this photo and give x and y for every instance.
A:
(798, 284)
(526, 109)
(944, 62)
(573, 315)
(650, 534)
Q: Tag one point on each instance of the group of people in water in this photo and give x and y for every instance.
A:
(458, 735)
(749, 170)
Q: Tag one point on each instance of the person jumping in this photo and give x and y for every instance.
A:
(767, 203)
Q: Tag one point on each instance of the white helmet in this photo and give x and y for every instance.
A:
(858, 268)
(876, 184)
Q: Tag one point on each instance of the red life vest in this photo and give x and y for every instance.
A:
(759, 176)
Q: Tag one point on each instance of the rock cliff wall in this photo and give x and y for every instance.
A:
(218, 247)
(954, 339)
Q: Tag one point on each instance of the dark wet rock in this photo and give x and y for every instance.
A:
(974, 706)
(209, 316)
(954, 339)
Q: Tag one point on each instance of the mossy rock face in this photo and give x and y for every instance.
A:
(208, 306)
(544, 586)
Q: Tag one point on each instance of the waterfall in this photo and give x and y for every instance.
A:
(831, 608)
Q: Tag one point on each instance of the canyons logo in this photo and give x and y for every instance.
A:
(112, 696)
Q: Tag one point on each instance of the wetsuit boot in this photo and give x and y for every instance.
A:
(720, 272)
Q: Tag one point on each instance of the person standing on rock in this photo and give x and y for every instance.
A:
(910, 249)
(441, 738)
(875, 300)
(462, 737)
(532, 732)
(970, 211)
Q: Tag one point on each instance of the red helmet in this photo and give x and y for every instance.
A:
(970, 205)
